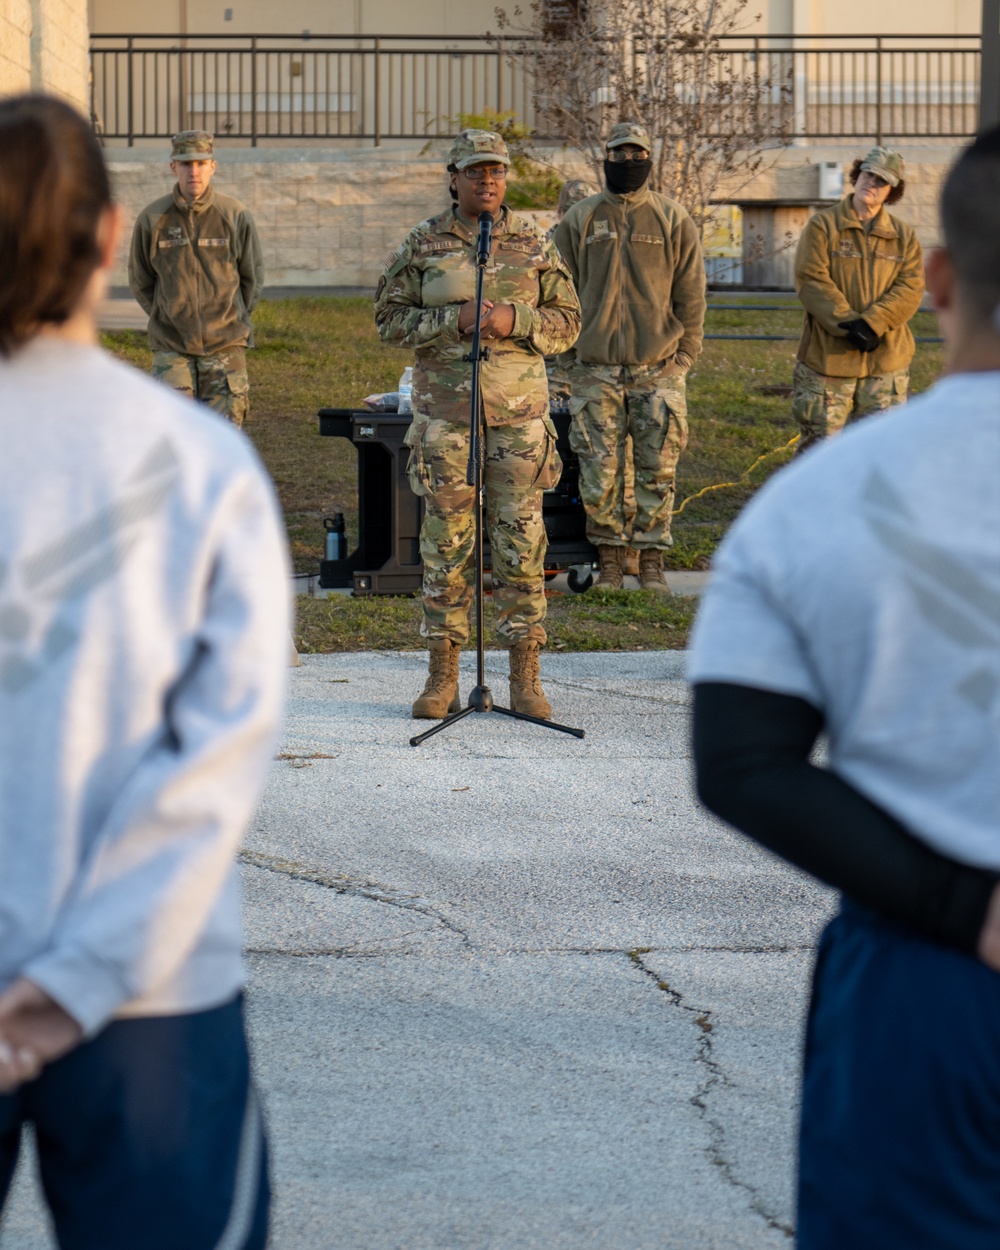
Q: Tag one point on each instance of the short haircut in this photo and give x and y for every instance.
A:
(54, 187)
(970, 203)
(895, 193)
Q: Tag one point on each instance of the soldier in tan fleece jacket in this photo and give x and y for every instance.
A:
(196, 268)
(635, 257)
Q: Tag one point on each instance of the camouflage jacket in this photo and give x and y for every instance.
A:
(843, 272)
(197, 269)
(434, 272)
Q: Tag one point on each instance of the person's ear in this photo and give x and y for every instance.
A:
(939, 275)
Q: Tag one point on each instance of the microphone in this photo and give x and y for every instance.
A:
(485, 231)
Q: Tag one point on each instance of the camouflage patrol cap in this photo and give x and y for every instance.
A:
(628, 132)
(887, 163)
(573, 192)
(193, 145)
(472, 147)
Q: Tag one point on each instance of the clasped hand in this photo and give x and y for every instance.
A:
(497, 322)
(34, 1030)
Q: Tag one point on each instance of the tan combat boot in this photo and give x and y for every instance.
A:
(526, 693)
(651, 572)
(440, 694)
(630, 565)
(610, 576)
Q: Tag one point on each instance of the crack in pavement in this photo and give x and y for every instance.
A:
(356, 887)
(715, 1076)
(353, 951)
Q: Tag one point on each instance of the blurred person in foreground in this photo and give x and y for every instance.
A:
(426, 300)
(143, 636)
(196, 267)
(858, 595)
(859, 275)
(635, 257)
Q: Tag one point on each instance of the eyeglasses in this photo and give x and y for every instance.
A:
(478, 173)
(618, 157)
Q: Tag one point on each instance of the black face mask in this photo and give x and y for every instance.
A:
(627, 176)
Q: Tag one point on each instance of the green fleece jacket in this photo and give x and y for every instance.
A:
(198, 271)
(637, 264)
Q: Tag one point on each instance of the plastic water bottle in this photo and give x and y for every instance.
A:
(336, 537)
(406, 390)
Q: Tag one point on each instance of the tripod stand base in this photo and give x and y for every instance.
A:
(481, 700)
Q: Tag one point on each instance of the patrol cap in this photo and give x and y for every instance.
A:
(628, 132)
(887, 163)
(573, 192)
(193, 145)
(472, 147)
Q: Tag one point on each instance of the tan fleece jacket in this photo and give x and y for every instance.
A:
(637, 264)
(843, 273)
(197, 269)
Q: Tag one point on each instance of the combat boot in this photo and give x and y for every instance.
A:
(630, 564)
(610, 576)
(651, 572)
(526, 693)
(440, 694)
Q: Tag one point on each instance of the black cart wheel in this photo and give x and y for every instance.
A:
(577, 583)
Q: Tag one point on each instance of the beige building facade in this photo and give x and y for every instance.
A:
(43, 47)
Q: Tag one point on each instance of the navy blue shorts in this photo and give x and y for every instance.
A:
(149, 1137)
(900, 1134)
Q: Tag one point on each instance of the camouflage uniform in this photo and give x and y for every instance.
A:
(417, 303)
(197, 269)
(846, 270)
(824, 405)
(637, 264)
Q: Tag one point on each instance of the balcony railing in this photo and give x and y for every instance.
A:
(376, 88)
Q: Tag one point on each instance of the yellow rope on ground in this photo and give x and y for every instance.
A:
(746, 473)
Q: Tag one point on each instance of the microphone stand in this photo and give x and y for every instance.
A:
(481, 698)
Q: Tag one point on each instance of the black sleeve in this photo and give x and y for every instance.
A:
(751, 751)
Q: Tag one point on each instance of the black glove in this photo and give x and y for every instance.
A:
(860, 335)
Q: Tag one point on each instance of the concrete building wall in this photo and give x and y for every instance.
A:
(43, 47)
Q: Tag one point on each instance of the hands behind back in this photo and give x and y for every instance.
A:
(34, 1030)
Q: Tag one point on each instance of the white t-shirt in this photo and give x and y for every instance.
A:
(865, 578)
(144, 598)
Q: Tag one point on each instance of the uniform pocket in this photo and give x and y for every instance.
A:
(550, 464)
(417, 471)
(238, 381)
(901, 385)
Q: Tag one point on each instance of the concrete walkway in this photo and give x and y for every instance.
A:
(511, 989)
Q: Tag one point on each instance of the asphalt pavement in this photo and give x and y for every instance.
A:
(512, 989)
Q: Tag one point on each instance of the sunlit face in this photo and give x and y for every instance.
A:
(871, 190)
(193, 177)
(480, 187)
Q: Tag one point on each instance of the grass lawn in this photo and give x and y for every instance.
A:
(325, 353)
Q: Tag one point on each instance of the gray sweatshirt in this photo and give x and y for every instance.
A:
(143, 642)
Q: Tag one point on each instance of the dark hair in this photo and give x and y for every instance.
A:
(53, 189)
(969, 202)
(895, 193)
(452, 169)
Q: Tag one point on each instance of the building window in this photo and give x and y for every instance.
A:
(561, 18)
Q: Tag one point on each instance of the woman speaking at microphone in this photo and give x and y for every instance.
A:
(426, 300)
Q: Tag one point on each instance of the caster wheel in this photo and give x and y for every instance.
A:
(577, 583)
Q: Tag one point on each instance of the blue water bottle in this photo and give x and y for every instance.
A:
(336, 537)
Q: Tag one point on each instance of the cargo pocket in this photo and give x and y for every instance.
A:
(901, 386)
(417, 471)
(238, 384)
(550, 464)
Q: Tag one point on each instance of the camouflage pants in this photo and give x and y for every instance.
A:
(219, 380)
(823, 405)
(613, 404)
(520, 462)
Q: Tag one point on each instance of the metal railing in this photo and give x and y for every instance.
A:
(339, 87)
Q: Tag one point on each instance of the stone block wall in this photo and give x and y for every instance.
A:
(330, 218)
(43, 47)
